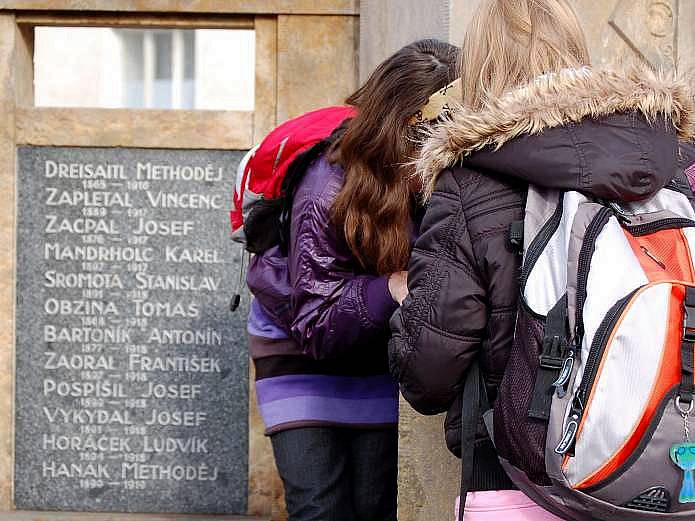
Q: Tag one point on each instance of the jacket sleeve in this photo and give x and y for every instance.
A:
(333, 309)
(438, 330)
(268, 281)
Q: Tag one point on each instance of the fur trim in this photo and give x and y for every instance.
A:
(551, 101)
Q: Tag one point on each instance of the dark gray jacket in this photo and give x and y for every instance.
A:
(611, 136)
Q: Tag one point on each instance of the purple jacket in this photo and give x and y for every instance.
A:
(318, 328)
(320, 294)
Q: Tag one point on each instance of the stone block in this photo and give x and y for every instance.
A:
(428, 474)
(316, 62)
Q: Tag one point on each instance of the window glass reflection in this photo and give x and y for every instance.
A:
(144, 68)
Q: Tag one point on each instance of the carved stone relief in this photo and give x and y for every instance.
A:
(621, 31)
(649, 29)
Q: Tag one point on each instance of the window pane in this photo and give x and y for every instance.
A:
(163, 49)
(189, 54)
(188, 94)
(148, 68)
(219, 81)
(133, 68)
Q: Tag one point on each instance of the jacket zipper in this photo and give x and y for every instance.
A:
(540, 242)
(593, 362)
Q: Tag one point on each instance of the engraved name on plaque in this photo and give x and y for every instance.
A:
(131, 373)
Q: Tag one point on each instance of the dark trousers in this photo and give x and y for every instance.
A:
(338, 474)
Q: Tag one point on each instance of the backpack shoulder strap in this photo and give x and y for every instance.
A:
(473, 403)
(552, 361)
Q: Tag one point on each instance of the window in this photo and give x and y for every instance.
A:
(159, 69)
(144, 68)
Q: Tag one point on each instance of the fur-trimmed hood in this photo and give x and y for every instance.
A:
(561, 100)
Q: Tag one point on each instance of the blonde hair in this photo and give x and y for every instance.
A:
(510, 42)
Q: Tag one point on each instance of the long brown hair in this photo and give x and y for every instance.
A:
(373, 208)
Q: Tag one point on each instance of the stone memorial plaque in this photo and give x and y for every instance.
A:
(131, 373)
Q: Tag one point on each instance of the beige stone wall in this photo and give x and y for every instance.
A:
(625, 29)
(343, 7)
(658, 31)
(317, 62)
(428, 474)
(13, 84)
(305, 58)
(387, 25)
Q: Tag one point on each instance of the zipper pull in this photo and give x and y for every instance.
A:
(578, 337)
(561, 383)
(569, 434)
(619, 213)
(653, 257)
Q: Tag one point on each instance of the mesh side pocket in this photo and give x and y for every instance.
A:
(518, 438)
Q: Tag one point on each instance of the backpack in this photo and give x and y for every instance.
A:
(269, 172)
(592, 416)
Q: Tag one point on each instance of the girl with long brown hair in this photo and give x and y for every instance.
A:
(319, 323)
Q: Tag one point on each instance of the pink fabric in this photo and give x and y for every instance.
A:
(690, 175)
(503, 505)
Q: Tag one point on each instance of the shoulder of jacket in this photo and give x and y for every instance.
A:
(459, 181)
(476, 187)
(321, 183)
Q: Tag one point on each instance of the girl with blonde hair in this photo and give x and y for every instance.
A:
(531, 111)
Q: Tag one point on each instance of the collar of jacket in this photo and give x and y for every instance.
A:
(555, 100)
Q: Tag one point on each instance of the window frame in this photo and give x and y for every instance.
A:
(147, 127)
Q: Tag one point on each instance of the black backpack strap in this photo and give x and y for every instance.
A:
(686, 390)
(551, 361)
(473, 402)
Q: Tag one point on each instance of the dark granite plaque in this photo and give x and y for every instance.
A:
(131, 373)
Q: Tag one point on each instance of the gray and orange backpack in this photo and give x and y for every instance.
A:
(595, 417)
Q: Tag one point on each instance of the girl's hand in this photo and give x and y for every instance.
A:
(398, 286)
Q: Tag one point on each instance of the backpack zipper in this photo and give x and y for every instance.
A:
(593, 362)
(586, 252)
(540, 242)
(583, 262)
(663, 224)
(675, 187)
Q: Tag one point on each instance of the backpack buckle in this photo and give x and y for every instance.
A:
(689, 324)
(551, 362)
(683, 409)
(552, 356)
